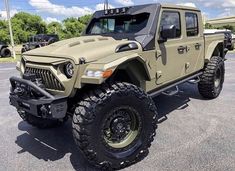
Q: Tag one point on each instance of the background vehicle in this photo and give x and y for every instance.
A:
(105, 79)
(228, 38)
(4, 51)
(39, 40)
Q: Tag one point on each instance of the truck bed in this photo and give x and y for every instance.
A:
(211, 39)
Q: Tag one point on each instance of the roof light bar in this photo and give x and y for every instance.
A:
(115, 11)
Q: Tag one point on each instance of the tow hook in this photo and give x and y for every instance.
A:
(45, 111)
(19, 91)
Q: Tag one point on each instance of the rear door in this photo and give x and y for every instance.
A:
(195, 42)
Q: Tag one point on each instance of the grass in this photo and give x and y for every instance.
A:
(10, 59)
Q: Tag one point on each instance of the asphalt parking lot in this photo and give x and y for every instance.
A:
(193, 134)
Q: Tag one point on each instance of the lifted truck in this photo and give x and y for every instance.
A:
(105, 79)
(39, 40)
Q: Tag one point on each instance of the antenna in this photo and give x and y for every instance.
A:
(106, 4)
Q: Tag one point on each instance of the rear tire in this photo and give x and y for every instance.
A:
(41, 123)
(114, 125)
(212, 80)
(5, 52)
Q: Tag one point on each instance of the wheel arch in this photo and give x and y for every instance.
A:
(133, 71)
(3, 46)
(215, 49)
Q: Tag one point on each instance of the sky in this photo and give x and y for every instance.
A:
(57, 10)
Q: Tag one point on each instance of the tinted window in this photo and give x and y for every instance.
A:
(119, 24)
(171, 18)
(191, 24)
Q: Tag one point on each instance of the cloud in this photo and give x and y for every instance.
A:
(189, 4)
(101, 7)
(49, 7)
(229, 3)
(125, 2)
(213, 9)
(51, 19)
(3, 14)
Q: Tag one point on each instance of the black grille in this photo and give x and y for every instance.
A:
(48, 79)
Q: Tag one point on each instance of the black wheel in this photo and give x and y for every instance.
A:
(23, 50)
(212, 80)
(5, 52)
(51, 41)
(41, 122)
(114, 125)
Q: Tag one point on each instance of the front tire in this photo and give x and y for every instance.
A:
(114, 125)
(212, 80)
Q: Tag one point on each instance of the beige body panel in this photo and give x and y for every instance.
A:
(91, 48)
(172, 65)
(211, 42)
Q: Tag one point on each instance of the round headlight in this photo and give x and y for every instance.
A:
(69, 70)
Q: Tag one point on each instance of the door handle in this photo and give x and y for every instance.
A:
(181, 49)
(197, 46)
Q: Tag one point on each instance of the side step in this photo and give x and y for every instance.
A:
(195, 80)
(161, 90)
(171, 92)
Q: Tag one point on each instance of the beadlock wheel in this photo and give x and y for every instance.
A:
(121, 127)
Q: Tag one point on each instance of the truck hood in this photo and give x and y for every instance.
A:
(91, 48)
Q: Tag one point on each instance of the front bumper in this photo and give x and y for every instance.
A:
(42, 105)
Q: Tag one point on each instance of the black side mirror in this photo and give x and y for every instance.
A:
(168, 32)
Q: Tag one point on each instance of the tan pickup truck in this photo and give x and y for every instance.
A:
(105, 79)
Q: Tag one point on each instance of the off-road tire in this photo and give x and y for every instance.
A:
(231, 48)
(23, 50)
(89, 117)
(41, 123)
(5, 52)
(50, 41)
(207, 86)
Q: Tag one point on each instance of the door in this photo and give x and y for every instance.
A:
(195, 42)
(171, 54)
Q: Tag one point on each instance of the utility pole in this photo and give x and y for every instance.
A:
(10, 28)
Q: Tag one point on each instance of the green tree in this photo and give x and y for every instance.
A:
(4, 34)
(229, 27)
(208, 26)
(72, 27)
(85, 19)
(56, 28)
(25, 24)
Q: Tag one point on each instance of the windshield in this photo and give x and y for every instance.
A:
(118, 24)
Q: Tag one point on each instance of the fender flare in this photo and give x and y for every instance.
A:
(114, 66)
(119, 63)
(211, 49)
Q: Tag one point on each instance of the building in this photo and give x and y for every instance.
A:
(219, 22)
